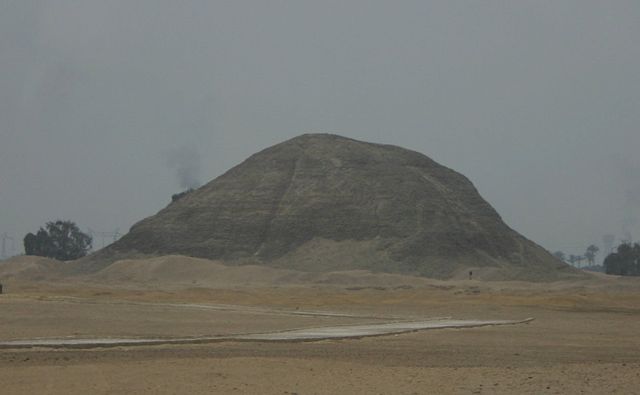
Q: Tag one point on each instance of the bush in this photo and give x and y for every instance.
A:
(624, 262)
(60, 240)
(180, 195)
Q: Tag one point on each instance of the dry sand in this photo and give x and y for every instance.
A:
(584, 338)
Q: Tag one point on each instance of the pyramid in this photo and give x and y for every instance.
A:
(321, 202)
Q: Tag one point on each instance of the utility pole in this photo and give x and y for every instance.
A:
(115, 235)
(5, 238)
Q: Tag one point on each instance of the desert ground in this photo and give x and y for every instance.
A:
(584, 337)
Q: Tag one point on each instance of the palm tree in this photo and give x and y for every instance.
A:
(590, 254)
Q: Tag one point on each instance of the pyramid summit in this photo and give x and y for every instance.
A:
(322, 202)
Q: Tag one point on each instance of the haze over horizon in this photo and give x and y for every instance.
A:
(108, 108)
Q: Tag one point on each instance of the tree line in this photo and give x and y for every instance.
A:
(589, 255)
(625, 261)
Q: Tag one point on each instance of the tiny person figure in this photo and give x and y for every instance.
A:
(0, 288)
(470, 274)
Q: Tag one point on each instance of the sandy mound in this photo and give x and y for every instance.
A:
(181, 272)
(176, 270)
(32, 268)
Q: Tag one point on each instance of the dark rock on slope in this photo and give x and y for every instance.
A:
(322, 202)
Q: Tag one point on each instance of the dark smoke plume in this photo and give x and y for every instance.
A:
(186, 163)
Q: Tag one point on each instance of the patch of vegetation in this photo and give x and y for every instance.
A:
(624, 262)
(61, 240)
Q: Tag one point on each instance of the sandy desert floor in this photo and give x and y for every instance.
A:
(584, 339)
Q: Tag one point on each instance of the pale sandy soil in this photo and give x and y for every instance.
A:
(584, 339)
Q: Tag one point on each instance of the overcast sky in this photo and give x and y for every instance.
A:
(104, 104)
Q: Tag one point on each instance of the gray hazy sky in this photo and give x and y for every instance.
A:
(103, 104)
